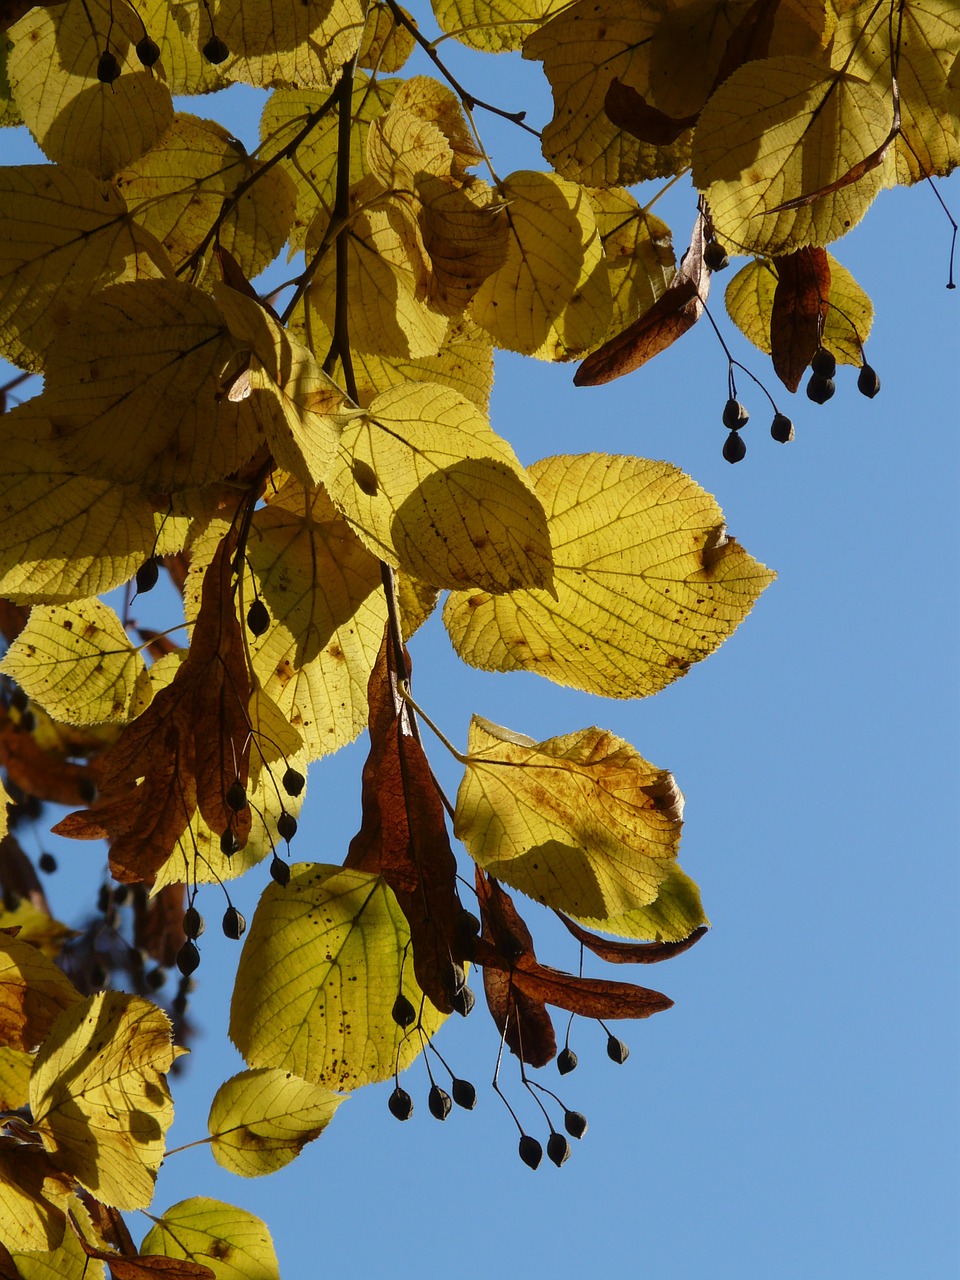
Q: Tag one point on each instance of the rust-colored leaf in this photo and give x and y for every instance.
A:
(185, 751)
(403, 836)
(43, 774)
(630, 111)
(801, 301)
(629, 952)
(158, 924)
(146, 1266)
(675, 311)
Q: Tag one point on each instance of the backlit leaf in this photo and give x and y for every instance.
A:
(493, 25)
(232, 1242)
(261, 1120)
(386, 44)
(33, 1196)
(75, 118)
(428, 486)
(580, 823)
(672, 916)
(320, 970)
(99, 1097)
(76, 661)
(551, 296)
(646, 580)
(638, 251)
(15, 1066)
(806, 128)
(33, 993)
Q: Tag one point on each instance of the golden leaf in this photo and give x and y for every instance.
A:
(261, 1120)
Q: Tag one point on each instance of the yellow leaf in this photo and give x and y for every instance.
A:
(583, 49)
(749, 302)
(551, 296)
(140, 391)
(9, 115)
(807, 126)
(62, 234)
(493, 25)
(261, 1120)
(386, 44)
(431, 488)
(646, 582)
(76, 118)
(33, 993)
(33, 1194)
(76, 661)
(177, 192)
(99, 1097)
(672, 916)
(580, 823)
(15, 1066)
(36, 926)
(639, 254)
(233, 1243)
(320, 971)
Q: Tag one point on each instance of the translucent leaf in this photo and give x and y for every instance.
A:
(638, 250)
(177, 191)
(69, 1260)
(233, 1243)
(551, 296)
(9, 115)
(671, 917)
(580, 823)
(493, 25)
(36, 926)
(76, 661)
(320, 971)
(647, 582)
(807, 127)
(33, 1194)
(99, 1098)
(33, 993)
(386, 44)
(749, 302)
(583, 49)
(15, 1066)
(430, 487)
(64, 536)
(140, 390)
(74, 117)
(62, 233)
(261, 1120)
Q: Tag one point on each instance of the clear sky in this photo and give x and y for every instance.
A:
(795, 1116)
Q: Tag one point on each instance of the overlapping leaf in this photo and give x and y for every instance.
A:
(493, 25)
(261, 1120)
(33, 1195)
(551, 297)
(320, 970)
(99, 1097)
(75, 660)
(638, 251)
(77, 119)
(580, 823)
(646, 582)
(234, 1243)
(429, 487)
(33, 993)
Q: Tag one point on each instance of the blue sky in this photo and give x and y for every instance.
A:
(796, 1114)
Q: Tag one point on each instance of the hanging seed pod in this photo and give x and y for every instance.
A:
(531, 1152)
(575, 1123)
(617, 1051)
(824, 363)
(188, 958)
(734, 449)
(439, 1102)
(868, 381)
(215, 51)
(147, 576)
(258, 619)
(286, 826)
(464, 1094)
(464, 1001)
(403, 1012)
(108, 68)
(279, 871)
(782, 429)
(236, 796)
(400, 1104)
(233, 924)
(47, 862)
(148, 51)
(155, 978)
(715, 256)
(193, 923)
(735, 415)
(229, 844)
(293, 782)
(820, 389)
(566, 1061)
(558, 1149)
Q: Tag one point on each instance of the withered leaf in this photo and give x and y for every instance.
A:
(801, 301)
(630, 111)
(185, 751)
(629, 952)
(675, 311)
(403, 836)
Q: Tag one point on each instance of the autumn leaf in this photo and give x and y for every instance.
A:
(321, 967)
(232, 1242)
(261, 1120)
(99, 1098)
(801, 302)
(580, 823)
(33, 1197)
(33, 993)
(647, 582)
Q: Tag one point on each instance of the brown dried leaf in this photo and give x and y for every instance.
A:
(629, 952)
(800, 305)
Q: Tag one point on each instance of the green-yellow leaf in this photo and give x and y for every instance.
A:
(75, 118)
(36, 926)
(672, 916)
(806, 127)
(639, 254)
(140, 391)
(99, 1097)
(320, 971)
(749, 302)
(15, 1067)
(386, 44)
(62, 233)
(493, 25)
(646, 582)
(76, 661)
(9, 115)
(429, 487)
(551, 297)
(33, 993)
(233, 1243)
(33, 1195)
(68, 1261)
(261, 1120)
(580, 823)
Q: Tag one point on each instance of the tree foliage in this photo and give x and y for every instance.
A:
(313, 468)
